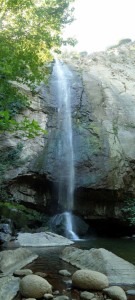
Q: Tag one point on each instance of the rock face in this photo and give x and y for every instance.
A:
(89, 280)
(117, 270)
(34, 286)
(102, 97)
(9, 286)
(10, 260)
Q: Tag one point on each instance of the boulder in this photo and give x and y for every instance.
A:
(11, 260)
(115, 292)
(89, 280)
(42, 239)
(34, 286)
(58, 224)
(118, 270)
(5, 237)
(9, 286)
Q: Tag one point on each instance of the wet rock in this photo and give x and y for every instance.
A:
(115, 292)
(86, 295)
(5, 237)
(41, 274)
(130, 292)
(64, 273)
(9, 286)
(6, 228)
(42, 239)
(68, 283)
(58, 224)
(118, 270)
(63, 297)
(89, 280)
(48, 296)
(10, 260)
(23, 272)
(55, 293)
(34, 286)
(29, 299)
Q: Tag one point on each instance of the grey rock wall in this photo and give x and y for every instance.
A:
(103, 120)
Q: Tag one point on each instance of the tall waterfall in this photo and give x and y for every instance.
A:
(66, 174)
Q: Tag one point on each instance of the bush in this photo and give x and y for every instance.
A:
(129, 210)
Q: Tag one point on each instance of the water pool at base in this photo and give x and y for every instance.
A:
(50, 263)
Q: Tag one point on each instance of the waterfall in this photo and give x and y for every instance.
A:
(66, 174)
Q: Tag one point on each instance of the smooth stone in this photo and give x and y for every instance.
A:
(23, 272)
(68, 282)
(89, 280)
(115, 292)
(63, 297)
(130, 292)
(41, 274)
(48, 296)
(56, 293)
(86, 295)
(29, 299)
(34, 286)
(64, 273)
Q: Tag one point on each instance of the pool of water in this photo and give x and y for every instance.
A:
(122, 247)
(50, 263)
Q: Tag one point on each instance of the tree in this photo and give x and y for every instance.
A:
(29, 32)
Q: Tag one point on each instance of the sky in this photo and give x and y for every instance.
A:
(101, 23)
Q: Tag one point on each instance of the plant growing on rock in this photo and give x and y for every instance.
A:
(21, 216)
(129, 210)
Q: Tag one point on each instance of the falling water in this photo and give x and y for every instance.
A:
(66, 174)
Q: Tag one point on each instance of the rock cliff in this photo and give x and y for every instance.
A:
(103, 120)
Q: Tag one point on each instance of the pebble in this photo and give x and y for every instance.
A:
(56, 293)
(130, 292)
(29, 299)
(23, 272)
(64, 273)
(63, 297)
(41, 274)
(48, 296)
(86, 295)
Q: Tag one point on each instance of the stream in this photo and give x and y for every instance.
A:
(50, 263)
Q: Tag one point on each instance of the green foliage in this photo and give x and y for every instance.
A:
(129, 210)
(19, 214)
(29, 32)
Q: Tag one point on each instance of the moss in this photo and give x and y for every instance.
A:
(19, 214)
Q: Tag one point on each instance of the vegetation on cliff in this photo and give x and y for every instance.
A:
(29, 31)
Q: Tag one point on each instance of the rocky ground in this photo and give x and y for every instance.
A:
(84, 284)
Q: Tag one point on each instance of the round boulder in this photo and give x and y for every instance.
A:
(89, 280)
(34, 286)
(115, 292)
